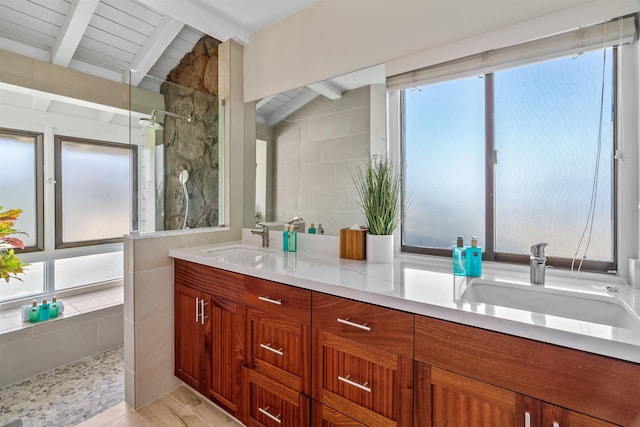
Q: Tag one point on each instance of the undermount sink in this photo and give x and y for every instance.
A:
(238, 251)
(599, 309)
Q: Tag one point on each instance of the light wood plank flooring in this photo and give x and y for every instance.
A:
(181, 407)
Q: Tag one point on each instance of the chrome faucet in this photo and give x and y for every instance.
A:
(297, 223)
(537, 263)
(264, 232)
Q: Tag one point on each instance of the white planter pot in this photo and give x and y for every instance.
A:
(379, 248)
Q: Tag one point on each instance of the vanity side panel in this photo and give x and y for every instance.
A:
(602, 387)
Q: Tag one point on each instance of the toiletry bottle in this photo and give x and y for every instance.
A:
(320, 229)
(312, 229)
(459, 256)
(54, 309)
(474, 259)
(34, 312)
(293, 240)
(285, 238)
(44, 310)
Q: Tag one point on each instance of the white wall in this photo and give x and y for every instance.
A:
(332, 37)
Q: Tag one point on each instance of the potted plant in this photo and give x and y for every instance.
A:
(378, 185)
(10, 265)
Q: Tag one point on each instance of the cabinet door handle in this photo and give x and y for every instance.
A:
(556, 424)
(202, 316)
(197, 308)
(275, 418)
(268, 347)
(527, 419)
(362, 326)
(355, 384)
(272, 301)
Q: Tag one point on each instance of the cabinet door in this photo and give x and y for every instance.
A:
(270, 404)
(370, 385)
(279, 349)
(555, 416)
(225, 344)
(189, 335)
(323, 416)
(444, 398)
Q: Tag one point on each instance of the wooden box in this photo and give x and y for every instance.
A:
(353, 243)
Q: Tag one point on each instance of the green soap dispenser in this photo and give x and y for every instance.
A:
(54, 310)
(459, 256)
(34, 312)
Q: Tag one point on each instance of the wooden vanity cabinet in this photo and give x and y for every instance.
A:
(209, 332)
(278, 352)
(362, 360)
(490, 372)
(323, 416)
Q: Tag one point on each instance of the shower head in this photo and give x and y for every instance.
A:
(153, 122)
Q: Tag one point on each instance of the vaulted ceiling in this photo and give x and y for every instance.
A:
(108, 38)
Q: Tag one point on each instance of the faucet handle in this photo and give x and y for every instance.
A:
(537, 250)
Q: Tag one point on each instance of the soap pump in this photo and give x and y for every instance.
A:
(459, 256)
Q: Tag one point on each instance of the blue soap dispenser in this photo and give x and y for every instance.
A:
(44, 310)
(459, 256)
(474, 258)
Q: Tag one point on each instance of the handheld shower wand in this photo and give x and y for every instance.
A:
(183, 178)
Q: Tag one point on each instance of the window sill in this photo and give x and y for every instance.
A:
(77, 308)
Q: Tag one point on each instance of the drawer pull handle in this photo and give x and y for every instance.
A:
(272, 301)
(268, 347)
(202, 316)
(197, 308)
(355, 325)
(265, 411)
(355, 384)
(527, 419)
(556, 424)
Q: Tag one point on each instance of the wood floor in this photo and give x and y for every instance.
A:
(181, 407)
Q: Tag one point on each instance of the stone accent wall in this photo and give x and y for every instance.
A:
(192, 88)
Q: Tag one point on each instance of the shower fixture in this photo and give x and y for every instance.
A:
(183, 178)
(153, 122)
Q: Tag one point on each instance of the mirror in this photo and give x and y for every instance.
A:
(307, 143)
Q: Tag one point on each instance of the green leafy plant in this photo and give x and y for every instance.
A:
(10, 265)
(378, 185)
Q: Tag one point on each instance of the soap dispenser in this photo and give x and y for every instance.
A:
(34, 312)
(459, 256)
(312, 229)
(44, 310)
(54, 309)
(474, 259)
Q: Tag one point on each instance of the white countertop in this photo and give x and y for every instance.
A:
(425, 286)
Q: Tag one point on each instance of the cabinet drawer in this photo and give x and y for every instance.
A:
(383, 328)
(324, 416)
(275, 298)
(374, 387)
(280, 349)
(268, 403)
(221, 283)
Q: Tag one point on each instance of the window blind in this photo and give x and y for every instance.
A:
(608, 34)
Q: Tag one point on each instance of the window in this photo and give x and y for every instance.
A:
(516, 157)
(75, 214)
(92, 198)
(21, 182)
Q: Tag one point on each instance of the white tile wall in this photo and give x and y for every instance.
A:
(327, 140)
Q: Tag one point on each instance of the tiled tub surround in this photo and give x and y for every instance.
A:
(91, 323)
(426, 286)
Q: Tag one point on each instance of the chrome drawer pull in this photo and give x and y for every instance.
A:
(355, 325)
(355, 384)
(202, 316)
(556, 424)
(268, 347)
(527, 419)
(274, 418)
(272, 301)
(197, 308)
